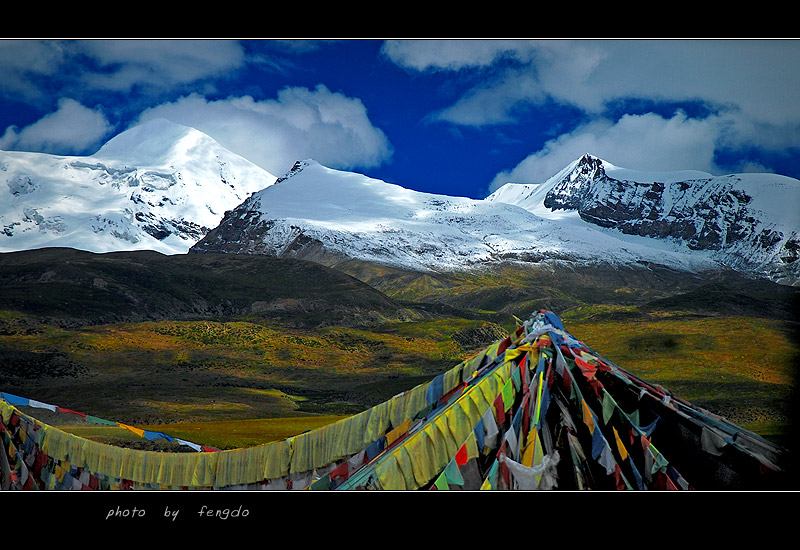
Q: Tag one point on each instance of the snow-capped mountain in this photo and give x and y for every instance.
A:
(159, 186)
(316, 212)
(173, 189)
(749, 222)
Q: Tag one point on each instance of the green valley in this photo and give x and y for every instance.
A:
(235, 351)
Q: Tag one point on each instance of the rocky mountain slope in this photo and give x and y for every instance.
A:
(749, 222)
(581, 216)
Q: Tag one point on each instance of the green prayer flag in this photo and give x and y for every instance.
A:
(660, 463)
(491, 478)
(96, 420)
(508, 394)
(452, 474)
(516, 377)
(441, 483)
(609, 405)
(322, 484)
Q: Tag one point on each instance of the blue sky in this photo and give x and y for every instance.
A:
(457, 117)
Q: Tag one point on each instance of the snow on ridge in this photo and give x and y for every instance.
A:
(366, 218)
(153, 143)
(774, 196)
(748, 221)
(171, 188)
(158, 186)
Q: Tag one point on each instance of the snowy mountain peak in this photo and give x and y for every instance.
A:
(324, 215)
(590, 166)
(591, 211)
(298, 167)
(158, 186)
(748, 222)
(170, 188)
(154, 142)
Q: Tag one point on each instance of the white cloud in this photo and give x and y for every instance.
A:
(37, 71)
(78, 66)
(454, 55)
(760, 77)
(749, 86)
(160, 64)
(300, 123)
(753, 83)
(22, 61)
(641, 142)
(72, 129)
(495, 103)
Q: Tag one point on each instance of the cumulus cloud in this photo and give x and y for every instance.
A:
(71, 129)
(23, 61)
(454, 55)
(758, 77)
(33, 68)
(160, 64)
(532, 72)
(747, 91)
(299, 123)
(122, 76)
(54, 77)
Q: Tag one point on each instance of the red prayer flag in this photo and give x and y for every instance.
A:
(63, 410)
(503, 345)
(587, 369)
(342, 471)
(461, 455)
(500, 409)
(619, 483)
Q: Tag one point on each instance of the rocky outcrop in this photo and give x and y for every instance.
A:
(713, 214)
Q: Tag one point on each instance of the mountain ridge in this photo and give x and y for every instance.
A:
(325, 215)
(746, 221)
(170, 188)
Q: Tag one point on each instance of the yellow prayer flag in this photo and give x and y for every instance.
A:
(137, 431)
(398, 432)
(587, 416)
(529, 448)
(524, 347)
(539, 398)
(623, 453)
(508, 394)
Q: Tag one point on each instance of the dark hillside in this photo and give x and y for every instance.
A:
(518, 289)
(69, 287)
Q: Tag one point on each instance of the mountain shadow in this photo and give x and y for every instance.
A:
(71, 288)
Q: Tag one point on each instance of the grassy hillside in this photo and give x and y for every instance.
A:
(240, 350)
(518, 289)
(740, 367)
(168, 371)
(68, 287)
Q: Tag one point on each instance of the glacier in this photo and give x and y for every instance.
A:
(159, 186)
